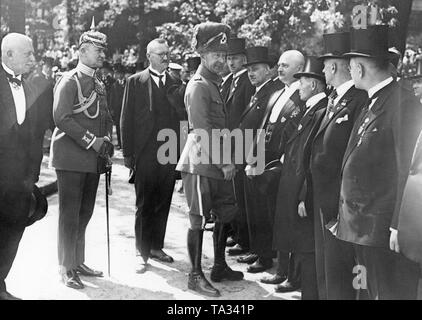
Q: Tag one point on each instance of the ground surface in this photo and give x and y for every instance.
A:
(35, 273)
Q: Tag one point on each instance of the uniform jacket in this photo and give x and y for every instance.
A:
(326, 151)
(238, 99)
(138, 115)
(75, 132)
(207, 117)
(292, 233)
(375, 167)
(18, 157)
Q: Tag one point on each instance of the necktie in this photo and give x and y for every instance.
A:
(160, 77)
(233, 85)
(330, 107)
(13, 80)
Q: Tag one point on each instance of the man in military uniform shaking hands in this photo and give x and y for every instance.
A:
(83, 125)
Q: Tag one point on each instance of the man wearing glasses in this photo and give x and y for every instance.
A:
(148, 107)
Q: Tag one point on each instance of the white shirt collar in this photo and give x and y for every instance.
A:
(85, 69)
(379, 86)
(8, 70)
(237, 74)
(156, 72)
(343, 88)
(294, 85)
(312, 101)
(259, 88)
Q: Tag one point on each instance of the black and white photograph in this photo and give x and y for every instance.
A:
(210, 154)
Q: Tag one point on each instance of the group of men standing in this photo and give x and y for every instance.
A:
(338, 131)
(336, 134)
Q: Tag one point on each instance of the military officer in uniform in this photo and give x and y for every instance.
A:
(334, 258)
(207, 168)
(375, 168)
(83, 125)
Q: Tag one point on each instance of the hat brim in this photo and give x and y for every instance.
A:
(331, 56)
(386, 55)
(309, 75)
(232, 53)
(258, 62)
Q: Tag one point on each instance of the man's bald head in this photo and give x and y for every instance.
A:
(290, 62)
(17, 53)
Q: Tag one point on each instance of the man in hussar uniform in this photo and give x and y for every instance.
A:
(83, 130)
(208, 181)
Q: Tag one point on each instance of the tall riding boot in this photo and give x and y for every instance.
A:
(221, 271)
(197, 280)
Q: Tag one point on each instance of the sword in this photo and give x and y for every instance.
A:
(108, 192)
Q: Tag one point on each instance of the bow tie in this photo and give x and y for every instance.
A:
(13, 79)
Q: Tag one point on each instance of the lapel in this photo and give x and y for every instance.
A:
(225, 88)
(307, 119)
(9, 109)
(343, 102)
(256, 98)
(238, 84)
(366, 118)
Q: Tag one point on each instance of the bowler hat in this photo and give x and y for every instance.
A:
(371, 42)
(38, 207)
(313, 69)
(236, 46)
(255, 55)
(336, 45)
(193, 63)
(210, 36)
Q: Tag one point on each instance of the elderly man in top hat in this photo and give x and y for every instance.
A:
(83, 130)
(206, 163)
(237, 97)
(375, 168)
(334, 258)
(19, 150)
(258, 218)
(293, 223)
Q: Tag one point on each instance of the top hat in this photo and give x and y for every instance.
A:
(336, 45)
(371, 42)
(313, 69)
(93, 37)
(255, 55)
(38, 206)
(210, 36)
(236, 46)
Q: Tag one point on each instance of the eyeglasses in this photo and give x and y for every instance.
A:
(162, 55)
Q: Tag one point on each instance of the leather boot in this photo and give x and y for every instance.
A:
(197, 281)
(221, 271)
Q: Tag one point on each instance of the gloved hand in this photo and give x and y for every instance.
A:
(99, 142)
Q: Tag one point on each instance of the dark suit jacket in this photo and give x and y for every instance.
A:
(285, 125)
(237, 100)
(375, 167)
(292, 233)
(138, 117)
(225, 87)
(253, 115)
(18, 157)
(326, 151)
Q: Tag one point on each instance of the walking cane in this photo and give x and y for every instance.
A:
(108, 192)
